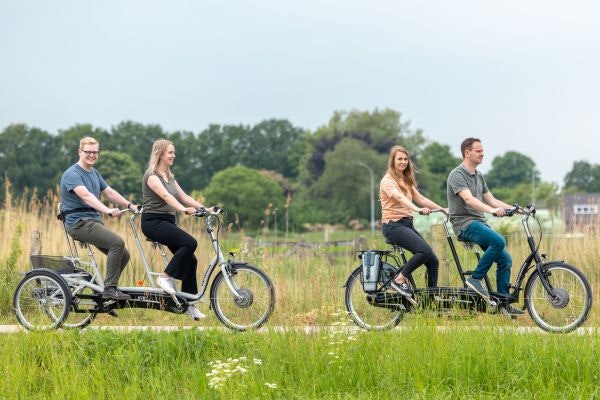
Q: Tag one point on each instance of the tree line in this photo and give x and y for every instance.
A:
(273, 172)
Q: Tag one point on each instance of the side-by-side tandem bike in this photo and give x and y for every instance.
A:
(557, 295)
(66, 291)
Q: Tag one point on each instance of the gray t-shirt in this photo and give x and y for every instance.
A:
(461, 179)
(76, 176)
(153, 203)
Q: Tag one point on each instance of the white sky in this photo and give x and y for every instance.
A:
(519, 74)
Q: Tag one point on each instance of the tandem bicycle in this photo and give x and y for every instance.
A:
(66, 291)
(557, 295)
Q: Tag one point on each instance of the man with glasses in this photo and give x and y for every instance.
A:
(80, 188)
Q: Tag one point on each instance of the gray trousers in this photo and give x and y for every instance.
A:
(108, 242)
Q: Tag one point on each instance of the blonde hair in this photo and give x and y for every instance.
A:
(405, 179)
(87, 140)
(158, 149)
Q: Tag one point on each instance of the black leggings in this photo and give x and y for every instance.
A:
(162, 229)
(404, 234)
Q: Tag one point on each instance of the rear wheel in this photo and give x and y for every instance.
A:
(568, 304)
(83, 306)
(361, 308)
(42, 300)
(256, 302)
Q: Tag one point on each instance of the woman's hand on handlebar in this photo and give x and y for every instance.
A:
(190, 211)
(425, 211)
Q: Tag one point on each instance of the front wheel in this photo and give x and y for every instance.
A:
(256, 302)
(567, 306)
(42, 300)
(366, 310)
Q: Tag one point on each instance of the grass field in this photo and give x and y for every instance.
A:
(422, 362)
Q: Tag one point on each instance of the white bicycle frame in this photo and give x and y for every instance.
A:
(77, 280)
(217, 260)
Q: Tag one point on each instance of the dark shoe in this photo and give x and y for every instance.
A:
(404, 290)
(478, 286)
(511, 311)
(113, 292)
(113, 313)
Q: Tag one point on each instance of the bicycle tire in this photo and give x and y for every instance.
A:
(363, 313)
(570, 307)
(42, 300)
(85, 305)
(256, 305)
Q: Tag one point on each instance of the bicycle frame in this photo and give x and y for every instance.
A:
(212, 227)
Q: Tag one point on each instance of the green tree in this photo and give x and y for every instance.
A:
(28, 159)
(583, 177)
(433, 166)
(344, 189)
(511, 169)
(378, 130)
(246, 194)
(134, 139)
(122, 173)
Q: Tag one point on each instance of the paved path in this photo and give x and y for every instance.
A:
(305, 329)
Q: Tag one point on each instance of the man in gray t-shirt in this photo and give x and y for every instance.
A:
(80, 188)
(468, 200)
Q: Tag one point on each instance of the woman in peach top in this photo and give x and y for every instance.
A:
(398, 194)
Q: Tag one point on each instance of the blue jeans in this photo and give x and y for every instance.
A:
(493, 246)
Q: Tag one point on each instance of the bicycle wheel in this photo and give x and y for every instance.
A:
(365, 314)
(83, 307)
(42, 300)
(570, 303)
(257, 301)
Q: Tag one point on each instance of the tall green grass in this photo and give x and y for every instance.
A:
(423, 362)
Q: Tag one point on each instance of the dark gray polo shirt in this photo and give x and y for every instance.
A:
(461, 179)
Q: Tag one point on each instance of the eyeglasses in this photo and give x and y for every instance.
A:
(91, 153)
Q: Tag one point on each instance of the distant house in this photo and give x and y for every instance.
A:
(581, 211)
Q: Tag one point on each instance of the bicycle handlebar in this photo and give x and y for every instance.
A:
(435, 210)
(527, 210)
(201, 212)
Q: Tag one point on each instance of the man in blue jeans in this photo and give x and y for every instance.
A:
(468, 200)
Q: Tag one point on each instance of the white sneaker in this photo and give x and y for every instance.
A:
(194, 313)
(165, 284)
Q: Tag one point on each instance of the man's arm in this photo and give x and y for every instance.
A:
(489, 199)
(115, 197)
(92, 201)
(496, 207)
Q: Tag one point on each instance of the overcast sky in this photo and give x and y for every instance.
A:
(519, 74)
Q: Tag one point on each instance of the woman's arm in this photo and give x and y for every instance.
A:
(157, 187)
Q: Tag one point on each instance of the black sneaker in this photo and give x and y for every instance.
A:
(404, 290)
(511, 311)
(113, 292)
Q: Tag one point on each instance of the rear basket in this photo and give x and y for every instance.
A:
(59, 264)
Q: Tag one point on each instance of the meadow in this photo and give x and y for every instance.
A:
(426, 357)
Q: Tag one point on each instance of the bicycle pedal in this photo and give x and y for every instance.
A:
(108, 303)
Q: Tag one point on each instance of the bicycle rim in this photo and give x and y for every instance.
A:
(82, 308)
(257, 301)
(362, 312)
(41, 301)
(570, 305)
